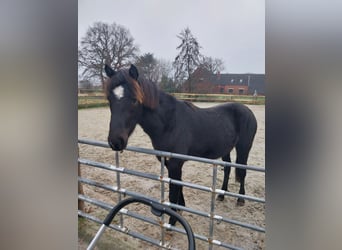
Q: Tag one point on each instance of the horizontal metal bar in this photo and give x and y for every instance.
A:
(122, 211)
(245, 225)
(113, 188)
(246, 197)
(216, 217)
(190, 210)
(102, 165)
(93, 142)
(168, 180)
(173, 155)
(98, 203)
(192, 185)
(222, 244)
(118, 169)
(179, 230)
(89, 217)
(139, 217)
(128, 232)
(217, 191)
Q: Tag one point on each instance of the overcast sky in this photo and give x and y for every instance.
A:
(233, 30)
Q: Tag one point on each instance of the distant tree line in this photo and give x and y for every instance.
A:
(113, 44)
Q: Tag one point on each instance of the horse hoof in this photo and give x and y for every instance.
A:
(172, 221)
(240, 203)
(220, 197)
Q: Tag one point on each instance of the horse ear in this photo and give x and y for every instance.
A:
(133, 72)
(109, 71)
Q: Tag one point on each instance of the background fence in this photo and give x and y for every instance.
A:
(197, 97)
(97, 98)
(212, 217)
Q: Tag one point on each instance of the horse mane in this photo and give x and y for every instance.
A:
(191, 105)
(145, 91)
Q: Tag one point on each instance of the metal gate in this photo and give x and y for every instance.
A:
(212, 217)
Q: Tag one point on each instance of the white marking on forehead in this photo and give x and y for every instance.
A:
(119, 92)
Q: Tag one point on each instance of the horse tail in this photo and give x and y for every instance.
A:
(246, 126)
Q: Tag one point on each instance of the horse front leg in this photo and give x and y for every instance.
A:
(226, 158)
(174, 167)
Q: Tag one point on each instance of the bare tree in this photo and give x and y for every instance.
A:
(105, 43)
(213, 65)
(165, 68)
(153, 69)
(148, 67)
(188, 58)
(166, 72)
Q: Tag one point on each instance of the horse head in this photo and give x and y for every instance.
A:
(125, 99)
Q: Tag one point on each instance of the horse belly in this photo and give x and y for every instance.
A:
(212, 146)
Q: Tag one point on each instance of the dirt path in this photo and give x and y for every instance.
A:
(94, 123)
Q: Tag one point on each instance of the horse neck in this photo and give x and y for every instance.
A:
(155, 121)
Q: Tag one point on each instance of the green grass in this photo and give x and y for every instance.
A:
(91, 102)
(92, 105)
(220, 98)
(110, 239)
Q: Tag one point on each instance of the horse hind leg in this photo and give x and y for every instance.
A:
(247, 131)
(226, 158)
(242, 152)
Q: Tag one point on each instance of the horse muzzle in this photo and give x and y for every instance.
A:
(117, 144)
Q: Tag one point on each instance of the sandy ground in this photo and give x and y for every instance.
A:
(94, 124)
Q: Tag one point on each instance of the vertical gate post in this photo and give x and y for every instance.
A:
(212, 207)
(162, 196)
(117, 163)
(80, 187)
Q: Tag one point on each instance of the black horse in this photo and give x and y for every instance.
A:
(178, 126)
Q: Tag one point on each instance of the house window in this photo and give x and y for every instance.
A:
(221, 90)
(240, 91)
(240, 80)
(230, 91)
(232, 80)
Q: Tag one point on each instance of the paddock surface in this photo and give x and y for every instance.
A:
(94, 124)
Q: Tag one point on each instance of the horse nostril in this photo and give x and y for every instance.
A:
(117, 144)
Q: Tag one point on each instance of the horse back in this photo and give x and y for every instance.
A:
(223, 126)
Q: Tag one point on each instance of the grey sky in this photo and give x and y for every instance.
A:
(228, 29)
